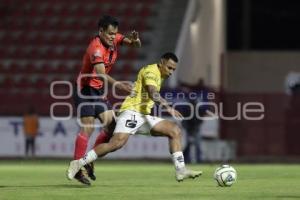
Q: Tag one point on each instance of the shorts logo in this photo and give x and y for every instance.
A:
(131, 123)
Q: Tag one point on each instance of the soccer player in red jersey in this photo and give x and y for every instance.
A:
(98, 60)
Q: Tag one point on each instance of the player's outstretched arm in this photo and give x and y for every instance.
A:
(133, 40)
(100, 69)
(155, 96)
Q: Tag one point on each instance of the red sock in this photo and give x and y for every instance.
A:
(81, 144)
(103, 137)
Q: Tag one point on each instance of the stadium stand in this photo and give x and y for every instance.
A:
(43, 41)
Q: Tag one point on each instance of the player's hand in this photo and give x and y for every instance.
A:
(176, 114)
(134, 35)
(125, 86)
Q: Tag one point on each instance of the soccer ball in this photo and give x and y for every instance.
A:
(225, 175)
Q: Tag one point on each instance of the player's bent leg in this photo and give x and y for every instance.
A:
(116, 142)
(103, 137)
(173, 132)
(107, 119)
(105, 134)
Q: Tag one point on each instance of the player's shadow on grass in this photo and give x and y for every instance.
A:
(45, 186)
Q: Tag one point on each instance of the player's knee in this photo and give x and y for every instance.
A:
(87, 125)
(88, 130)
(176, 131)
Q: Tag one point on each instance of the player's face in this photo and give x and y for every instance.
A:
(168, 67)
(107, 36)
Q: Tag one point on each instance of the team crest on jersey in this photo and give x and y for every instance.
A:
(97, 54)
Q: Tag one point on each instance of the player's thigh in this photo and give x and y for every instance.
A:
(107, 117)
(165, 128)
(119, 140)
(87, 120)
(108, 121)
(109, 129)
(151, 121)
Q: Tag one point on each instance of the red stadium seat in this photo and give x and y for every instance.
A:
(42, 83)
(7, 83)
(63, 69)
(13, 68)
(129, 12)
(43, 37)
(29, 68)
(3, 69)
(131, 54)
(46, 69)
(24, 83)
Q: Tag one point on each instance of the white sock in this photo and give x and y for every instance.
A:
(178, 160)
(88, 158)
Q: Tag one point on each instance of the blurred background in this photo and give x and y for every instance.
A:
(232, 53)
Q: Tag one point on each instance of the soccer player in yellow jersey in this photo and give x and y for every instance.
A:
(134, 117)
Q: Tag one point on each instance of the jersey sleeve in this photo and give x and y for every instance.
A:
(95, 55)
(150, 78)
(119, 38)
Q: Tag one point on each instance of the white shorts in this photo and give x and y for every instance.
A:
(135, 123)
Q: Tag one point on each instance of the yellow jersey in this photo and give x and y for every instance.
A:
(139, 99)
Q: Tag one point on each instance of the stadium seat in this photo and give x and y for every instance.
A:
(47, 37)
(24, 83)
(42, 84)
(7, 83)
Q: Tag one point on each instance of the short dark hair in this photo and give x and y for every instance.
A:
(170, 55)
(107, 20)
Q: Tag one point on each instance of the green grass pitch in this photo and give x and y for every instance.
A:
(45, 180)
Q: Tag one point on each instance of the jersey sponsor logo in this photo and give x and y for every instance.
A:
(131, 123)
